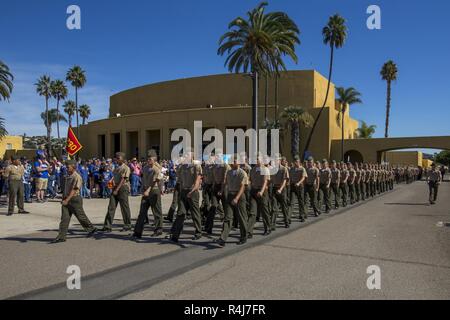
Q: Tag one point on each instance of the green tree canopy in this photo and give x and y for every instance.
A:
(365, 131)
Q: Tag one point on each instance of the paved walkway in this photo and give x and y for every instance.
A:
(325, 258)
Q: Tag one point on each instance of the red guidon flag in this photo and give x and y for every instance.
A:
(73, 145)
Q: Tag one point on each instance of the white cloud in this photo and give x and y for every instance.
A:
(22, 113)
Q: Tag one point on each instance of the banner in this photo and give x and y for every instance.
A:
(73, 145)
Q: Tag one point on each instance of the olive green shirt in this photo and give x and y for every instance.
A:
(120, 172)
(188, 175)
(220, 172)
(297, 174)
(150, 176)
(247, 170)
(325, 176)
(235, 179)
(313, 174)
(73, 182)
(208, 174)
(258, 175)
(278, 178)
(335, 175)
(344, 175)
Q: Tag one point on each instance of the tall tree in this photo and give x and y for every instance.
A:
(258, 45)
(59, 92)
(334, 34)
(346, 98)
(77, 77)
(6, 88)
(51, 117)
(69, 108)
(43, 88)
(85, 112)
(3, 131)
(389, 73)
(6, 82)
(365, 131)
(295, 117)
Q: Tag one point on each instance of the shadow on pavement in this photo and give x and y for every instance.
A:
(407, 204)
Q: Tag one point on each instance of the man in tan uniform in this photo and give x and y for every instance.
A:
(72, 204)
(120, 194)
(190, 180)
(259, 197)
(325, 182)
(235, 180)
(434, 179)
(335, 181)
(312, 185)
(218, 196)
(297, 177)
(207, 187)
(343, 184)
(351, 182)
(151, 198)
(279, 182)
(14, 174)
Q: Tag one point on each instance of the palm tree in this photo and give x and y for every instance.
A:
(346, 97)
(43, 88)
(59, 92)
(77, 77)
(85, 112)
(69, 108)
(365, 131)
(3, 131)
(51, 117)
(389, 73)
(334, 34)
(296, 116)
(6, 82)
(258, 44)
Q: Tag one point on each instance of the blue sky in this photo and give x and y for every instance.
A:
(124, 44)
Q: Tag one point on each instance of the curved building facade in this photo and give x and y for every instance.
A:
(143, 118)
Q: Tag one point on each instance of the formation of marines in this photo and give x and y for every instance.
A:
(239, 194)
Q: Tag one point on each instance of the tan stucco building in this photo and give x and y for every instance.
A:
(143, 118)
(10, 145)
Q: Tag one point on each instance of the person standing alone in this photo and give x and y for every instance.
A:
(14, 173)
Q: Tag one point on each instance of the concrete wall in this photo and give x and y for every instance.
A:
(227, 90)
(372, 149)
(405, 158)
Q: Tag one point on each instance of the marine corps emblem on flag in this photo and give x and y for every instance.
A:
(73, 145)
